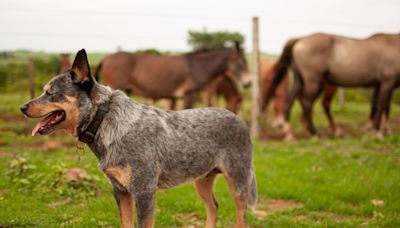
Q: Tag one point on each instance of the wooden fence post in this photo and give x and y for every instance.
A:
(31, 78)
(255, 83)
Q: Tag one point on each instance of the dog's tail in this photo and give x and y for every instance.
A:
(97, 71)
(252, 194)
(283, 64)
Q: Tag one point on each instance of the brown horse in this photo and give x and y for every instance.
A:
(224, 86)
(172, 77)
(268, 68)
(65, 63)
(321, 59)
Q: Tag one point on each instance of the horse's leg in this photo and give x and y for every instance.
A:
(374, 107)
(385, 116)
(387, 128)
(310, 92)
(385, 93)
(212, 91)
(172, 105)
(293, 93)
(189, 99)
(279, 103)
(329, 93)
(153, 102)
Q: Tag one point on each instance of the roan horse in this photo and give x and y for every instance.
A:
(321, 59)
(268, 70)
(172, 77)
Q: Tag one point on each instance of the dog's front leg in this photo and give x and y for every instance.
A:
(125, 205)
(145, 202)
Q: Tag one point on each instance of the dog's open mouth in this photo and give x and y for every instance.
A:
(49, 123)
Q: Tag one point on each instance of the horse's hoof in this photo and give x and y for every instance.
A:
(388, 130)
(368, 126)
(379, 135)
(338, 133)
(278, 122)
(289, 137)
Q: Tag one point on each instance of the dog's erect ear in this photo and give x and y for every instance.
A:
(80, 71)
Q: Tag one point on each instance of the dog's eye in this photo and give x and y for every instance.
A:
(48, 93)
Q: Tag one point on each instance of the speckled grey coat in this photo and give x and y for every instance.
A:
(143, 149)
(167, 148)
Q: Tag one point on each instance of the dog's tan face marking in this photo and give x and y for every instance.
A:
(72, 115)
(70, 107)
(122, 175)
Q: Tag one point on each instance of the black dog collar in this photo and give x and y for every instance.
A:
(87, 136)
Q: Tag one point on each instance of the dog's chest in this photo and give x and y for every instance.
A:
(120, 175)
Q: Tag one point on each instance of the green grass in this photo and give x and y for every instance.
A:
(334, 180)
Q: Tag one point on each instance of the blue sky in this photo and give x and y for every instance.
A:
(103, 25)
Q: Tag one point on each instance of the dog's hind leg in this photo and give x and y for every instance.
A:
(238, 184)
(125, 205)
(204, 186)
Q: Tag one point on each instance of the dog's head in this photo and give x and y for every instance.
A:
(62, 99)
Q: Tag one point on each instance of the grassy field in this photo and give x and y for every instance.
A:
(326, 182)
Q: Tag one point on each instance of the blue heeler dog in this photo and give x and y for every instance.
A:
(142, 149)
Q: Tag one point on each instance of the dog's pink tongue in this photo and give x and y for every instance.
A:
(41, 124)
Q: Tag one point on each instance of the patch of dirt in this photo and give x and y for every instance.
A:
(6, 155)
(48, 145)
(3, 194)
(338, 217)
(317, 216)
(378, 202)
(5, 226)
(267, 132)
(75, 174)
(60, 203)
(300, 217)
(268, 207)
(12, 118)
(191, 218)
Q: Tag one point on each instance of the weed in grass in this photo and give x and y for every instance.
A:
(26, 178)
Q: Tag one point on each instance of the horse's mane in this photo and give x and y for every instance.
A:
(206, 64)
(207, 51)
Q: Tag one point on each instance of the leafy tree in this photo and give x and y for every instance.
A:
(152, 51)
(211, 40)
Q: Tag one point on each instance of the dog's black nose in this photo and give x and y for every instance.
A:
(24, 108)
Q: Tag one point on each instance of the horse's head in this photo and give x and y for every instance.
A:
(237, 66)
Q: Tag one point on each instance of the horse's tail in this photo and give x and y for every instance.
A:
(97, 71)
(282, 67)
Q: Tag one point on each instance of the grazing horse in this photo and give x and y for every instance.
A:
(65, 63)
(171, 77)
(227, 88)
(268, 68)
(321, 59)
